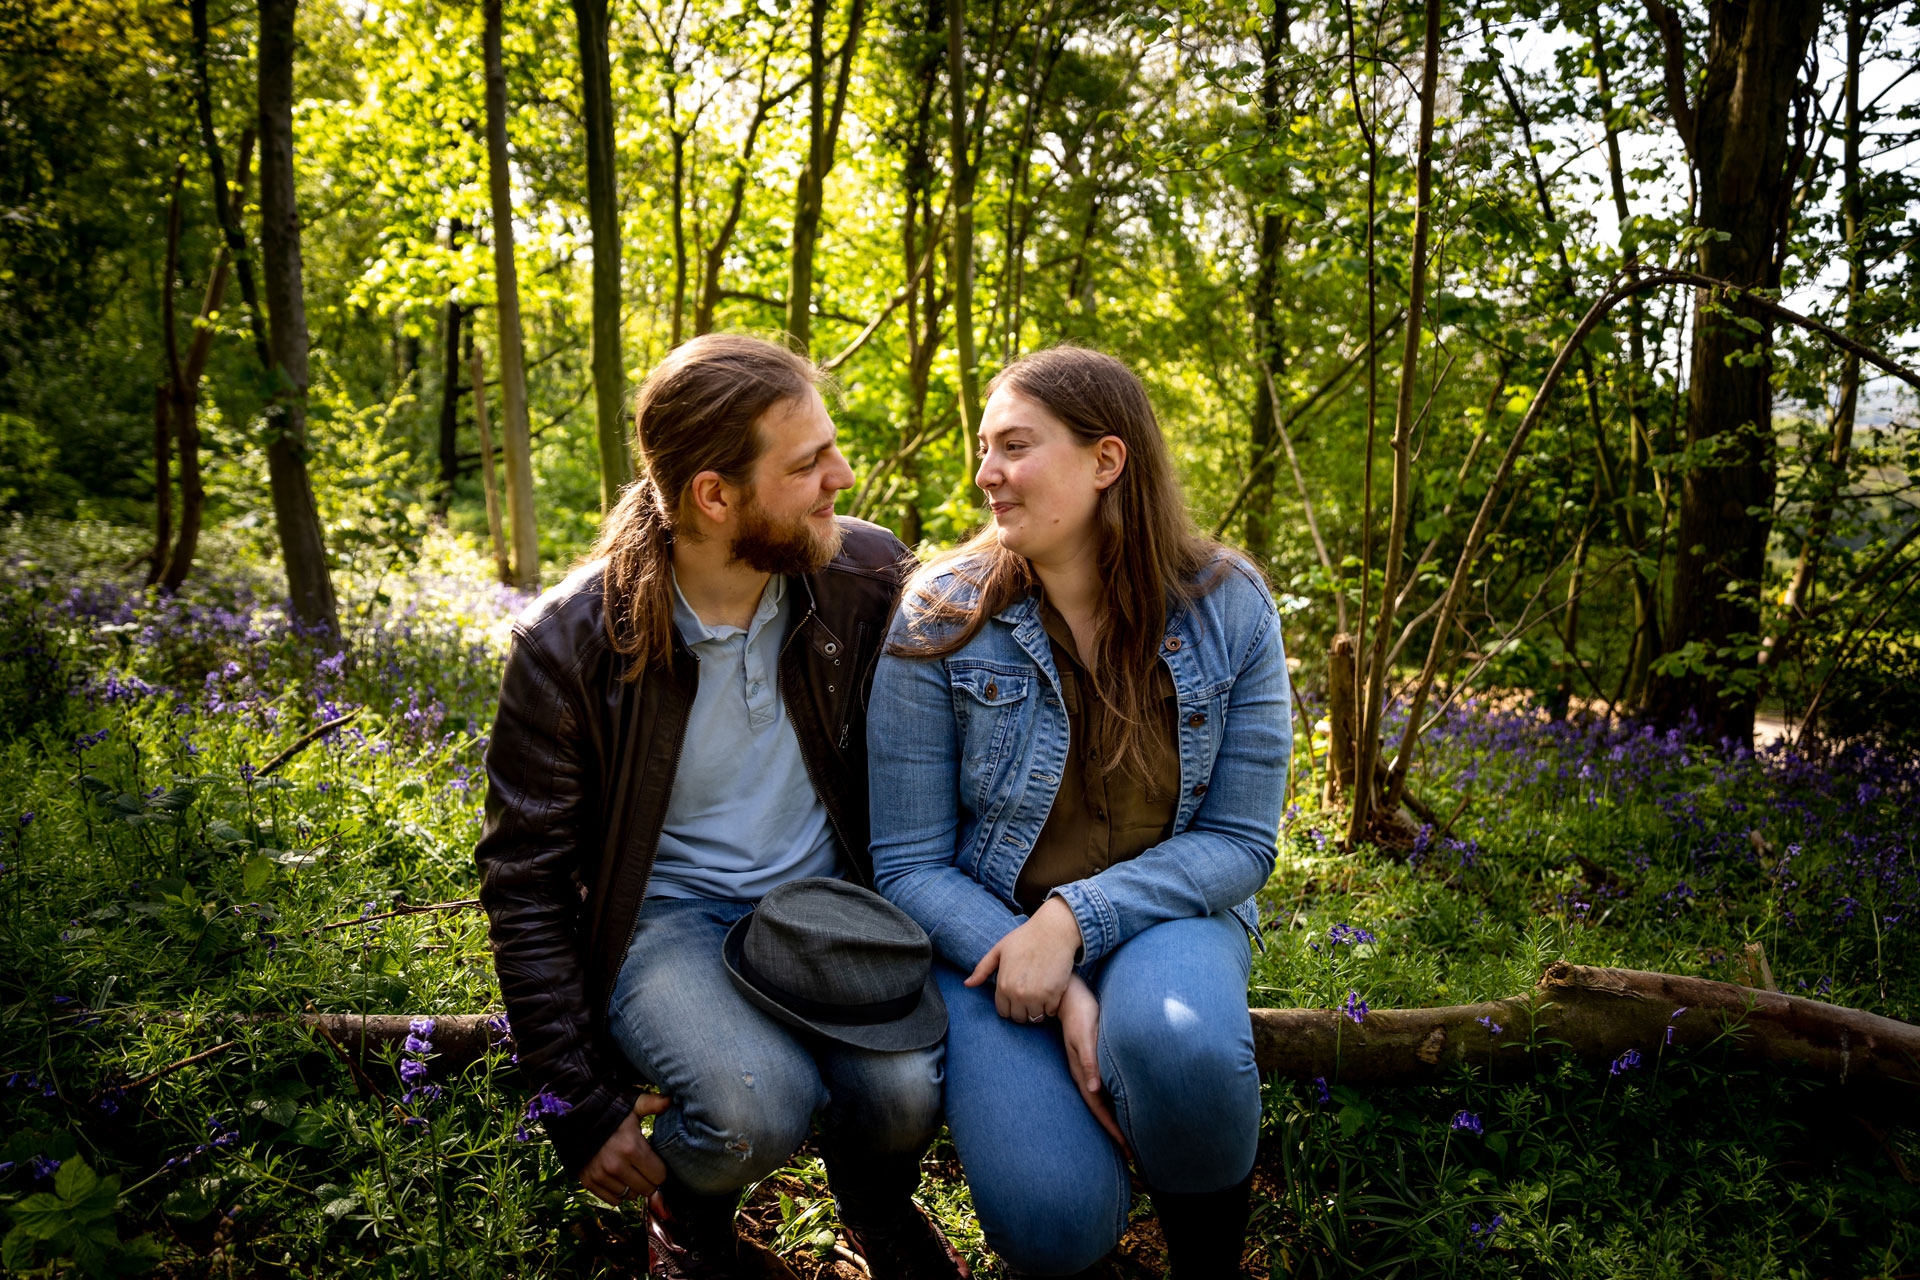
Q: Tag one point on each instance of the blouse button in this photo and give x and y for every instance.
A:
(1173, 644)
(1197, 719)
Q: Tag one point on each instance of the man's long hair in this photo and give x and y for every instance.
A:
(1150, 556)
(696, 412)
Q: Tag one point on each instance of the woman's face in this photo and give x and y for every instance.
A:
(1042, 482)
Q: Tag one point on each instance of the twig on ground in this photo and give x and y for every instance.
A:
(306, 740)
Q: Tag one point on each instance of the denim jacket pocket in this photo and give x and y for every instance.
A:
(989, 703)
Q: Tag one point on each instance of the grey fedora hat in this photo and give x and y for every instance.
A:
(839, 961)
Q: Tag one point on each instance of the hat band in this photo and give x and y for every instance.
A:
(859, 1015)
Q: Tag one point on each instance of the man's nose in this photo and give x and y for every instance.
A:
(840, 474)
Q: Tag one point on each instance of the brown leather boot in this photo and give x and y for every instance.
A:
(692, 1237)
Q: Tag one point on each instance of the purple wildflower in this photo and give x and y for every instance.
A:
(1493, 1028)
(1480, 1234)
(42, 1167)
(1466, 1122)
(1626, 1062)
(1348, 935)
(1355, 1007)
(1320, 1088)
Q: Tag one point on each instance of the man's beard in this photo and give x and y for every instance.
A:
(773, 546)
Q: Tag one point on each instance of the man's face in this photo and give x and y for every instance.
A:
(786, 517)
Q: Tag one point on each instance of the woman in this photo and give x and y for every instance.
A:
(1079, 738)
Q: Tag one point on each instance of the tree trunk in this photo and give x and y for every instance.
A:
(823, 136)
(162, 484)
(516, 435)
(1594, 1014)
(1737, 136)
(961, 160)
(168, 393)
(227, 206)
(1644, 580)
(1831, 479)
(450, 385)
(1343, 702)
(1268, 332)
(603, 220)
(296, 517)
(495, 533)
(1373, 700)
(186, 420)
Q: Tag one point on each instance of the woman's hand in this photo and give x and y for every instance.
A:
(1034, 963)
(1080, 1033)
(626, 1167)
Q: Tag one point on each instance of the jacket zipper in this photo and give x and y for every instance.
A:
(806, 757)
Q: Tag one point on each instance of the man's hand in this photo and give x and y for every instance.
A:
(1034, 963)
(1080, 1033)
(626, 1167)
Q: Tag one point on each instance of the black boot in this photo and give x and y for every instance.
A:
(1206, 1232)
(874, 1196)
(691, 1236)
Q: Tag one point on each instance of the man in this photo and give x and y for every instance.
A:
(681, 729)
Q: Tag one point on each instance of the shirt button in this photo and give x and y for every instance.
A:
(1197, 719)
(1173, 644)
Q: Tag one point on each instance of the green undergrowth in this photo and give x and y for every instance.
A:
(164, 897)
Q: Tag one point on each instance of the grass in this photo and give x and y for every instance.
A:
(160, 898)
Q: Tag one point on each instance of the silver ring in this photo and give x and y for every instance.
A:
(1038, 1017)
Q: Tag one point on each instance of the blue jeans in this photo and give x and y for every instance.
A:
(1176, 1056)
(746, 1087)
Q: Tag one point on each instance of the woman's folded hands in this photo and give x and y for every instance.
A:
(1033, 963)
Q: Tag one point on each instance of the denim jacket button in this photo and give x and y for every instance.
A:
(1199, 788)
(1173, 644)
(993, 690)
(1197, 719)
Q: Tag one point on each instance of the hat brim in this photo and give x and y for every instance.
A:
(924, 1027)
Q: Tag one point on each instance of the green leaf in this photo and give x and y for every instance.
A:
(309, 1129)
(255, 873)
(16, 1251)
(41, 1215)
(75, 1181)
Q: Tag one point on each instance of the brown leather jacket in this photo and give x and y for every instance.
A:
(579, 768)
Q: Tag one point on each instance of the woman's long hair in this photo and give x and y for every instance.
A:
(696, 412)
(1151, 559)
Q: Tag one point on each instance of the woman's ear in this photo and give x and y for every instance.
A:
(1109, 460)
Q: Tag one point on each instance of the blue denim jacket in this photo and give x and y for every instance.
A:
(965, 755)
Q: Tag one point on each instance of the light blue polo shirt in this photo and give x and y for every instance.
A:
(743, 816)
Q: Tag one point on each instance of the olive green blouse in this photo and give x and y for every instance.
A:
(1100, 818)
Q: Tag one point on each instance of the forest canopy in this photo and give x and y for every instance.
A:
(1708, 512)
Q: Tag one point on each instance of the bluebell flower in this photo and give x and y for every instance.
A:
(1466, 1122)
(1493, 1028)
(1626, 1062)
(1480, 1234)
(1355, 1007)
(1320, 1088)
(1348, 935)
(43, 1167)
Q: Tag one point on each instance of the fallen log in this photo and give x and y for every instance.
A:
(1594, 1014)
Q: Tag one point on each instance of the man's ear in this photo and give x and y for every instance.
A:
(712, 498)
(1109, 460)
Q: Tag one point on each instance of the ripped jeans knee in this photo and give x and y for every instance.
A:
(737, 1127)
